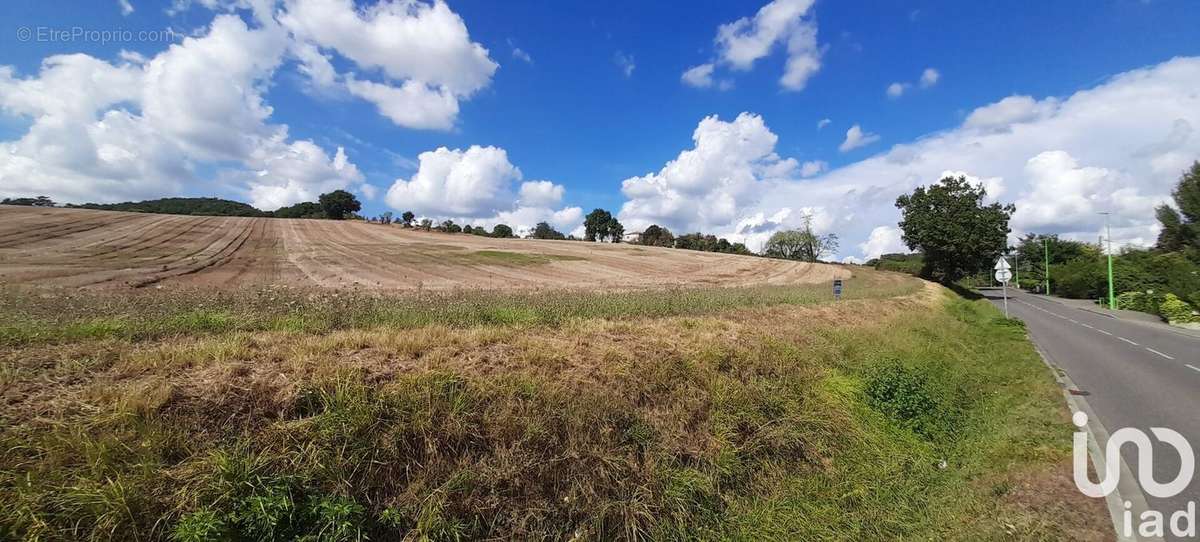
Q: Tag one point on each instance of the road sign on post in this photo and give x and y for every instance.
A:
(837, 289)
(1004, 274)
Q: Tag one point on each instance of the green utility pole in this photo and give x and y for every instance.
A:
(1112, 299)
(1046, 243)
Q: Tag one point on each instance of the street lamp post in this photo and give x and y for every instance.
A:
(1046, 243)
(1112, 299)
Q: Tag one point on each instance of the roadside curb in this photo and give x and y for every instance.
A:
(1127, 489)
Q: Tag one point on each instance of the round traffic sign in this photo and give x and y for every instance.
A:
(1003, 275)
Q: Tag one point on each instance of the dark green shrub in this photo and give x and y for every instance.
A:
(916, 398)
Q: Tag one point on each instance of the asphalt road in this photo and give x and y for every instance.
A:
(1132, 374)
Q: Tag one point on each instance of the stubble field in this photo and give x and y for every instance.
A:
(107, 249)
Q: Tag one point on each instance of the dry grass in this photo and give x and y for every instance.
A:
(734, 419)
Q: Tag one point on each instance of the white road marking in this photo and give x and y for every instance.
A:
(1104, 332)
(1087, 326)
(1193, 367)
(1128, 341)
(1159, 353)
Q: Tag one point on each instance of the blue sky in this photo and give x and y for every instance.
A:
(599, 99)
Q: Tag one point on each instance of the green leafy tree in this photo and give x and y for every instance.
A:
(785, 244)
(657, 236)
(339, 204)
(1181, 228)
(468, 229)
(304, 209)
(502, 231)
(544, 231)
(616, 232)
(601, 225)
(408, 218)
(803, 244)
(949, 223)
(181, 206)
(426, 224)
(1031, 256)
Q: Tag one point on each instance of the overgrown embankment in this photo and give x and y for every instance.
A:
(717, 414)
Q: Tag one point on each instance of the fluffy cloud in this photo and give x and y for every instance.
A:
(742, 42)
(405, 39)
(896, 90)
(1010, 111)
(1118, 147)
(412, 104)
(707, 185)
(882, 240)
(423, 51)
(477, 186)
(699, 76)
(541, 194)
(106, 132)
(856, 137)
(823, 123)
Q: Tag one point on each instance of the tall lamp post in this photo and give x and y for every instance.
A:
(1046, 244)
(1112, 299)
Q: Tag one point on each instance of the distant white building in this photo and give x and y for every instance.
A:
(635, 237)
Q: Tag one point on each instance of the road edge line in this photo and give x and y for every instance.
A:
(1127, 488)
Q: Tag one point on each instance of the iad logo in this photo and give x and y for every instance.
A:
(1151, 522)
(1145, 466)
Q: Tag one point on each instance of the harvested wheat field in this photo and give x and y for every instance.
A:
(85, 248)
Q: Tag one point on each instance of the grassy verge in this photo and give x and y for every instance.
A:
(870, 419)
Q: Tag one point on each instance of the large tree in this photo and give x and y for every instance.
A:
(1181, 228)
(657, 236)
(408, 217)
(338, 204)
(543, 230)
(600, 225)
(949, 223)
(802, 244)
(502, 231)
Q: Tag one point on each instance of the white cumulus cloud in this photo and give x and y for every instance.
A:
(882, 240)
(479, 186)
(856, 137)
(423, 51)
(705, 186)
(699, 76)
(779, 24)
(107, 132)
